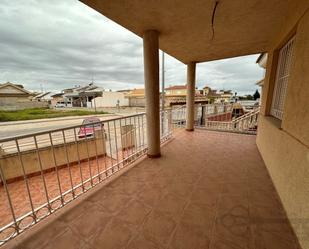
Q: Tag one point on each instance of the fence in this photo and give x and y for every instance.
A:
(218, 117)
(42, 172)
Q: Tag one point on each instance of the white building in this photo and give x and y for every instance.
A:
(110, 99)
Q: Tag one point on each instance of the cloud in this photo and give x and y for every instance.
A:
(59, 44)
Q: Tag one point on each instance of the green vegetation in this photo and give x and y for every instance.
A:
(39, 113)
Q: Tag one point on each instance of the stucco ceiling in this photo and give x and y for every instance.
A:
(240, 27)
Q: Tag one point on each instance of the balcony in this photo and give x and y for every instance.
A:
(208, 190)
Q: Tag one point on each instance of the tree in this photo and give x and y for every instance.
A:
(249, 97)
(256, 95)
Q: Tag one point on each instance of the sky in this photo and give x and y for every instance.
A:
(52, 45)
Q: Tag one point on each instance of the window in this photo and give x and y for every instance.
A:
(282, 77)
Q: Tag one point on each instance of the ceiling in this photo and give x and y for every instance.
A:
(194, 30)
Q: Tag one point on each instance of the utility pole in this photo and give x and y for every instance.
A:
(162, 95)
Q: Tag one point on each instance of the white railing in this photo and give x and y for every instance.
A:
(218, 117)
(246, 123)
(42, 172)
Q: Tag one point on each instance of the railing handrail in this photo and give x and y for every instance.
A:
(246, 115)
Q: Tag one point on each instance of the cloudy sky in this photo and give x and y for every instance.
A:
(62, 43)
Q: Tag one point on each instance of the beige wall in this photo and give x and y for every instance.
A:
(12, 168)
(176, 92)
(110, 99)
(13, 100)
(284, 145)
(19, 103)
(137, 101)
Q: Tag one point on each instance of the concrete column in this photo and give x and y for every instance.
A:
(152, 91)
(190, 96)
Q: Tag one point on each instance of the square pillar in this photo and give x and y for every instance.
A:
(152, 91)
(190, 96)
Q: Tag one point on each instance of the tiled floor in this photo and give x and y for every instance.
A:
(20, 198)
(208, 190)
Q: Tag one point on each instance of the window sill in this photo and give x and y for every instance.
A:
(274, 121)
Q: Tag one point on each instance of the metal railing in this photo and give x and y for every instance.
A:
(42, 172)
(246, 123)
(218, 117)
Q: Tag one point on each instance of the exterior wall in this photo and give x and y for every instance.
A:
(19, 103)
(12, 169)
(176, 92)
(284, 145)
(110, 99)
(137, 102)
(13, 100)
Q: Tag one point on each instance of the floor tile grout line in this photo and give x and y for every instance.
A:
(181, 216)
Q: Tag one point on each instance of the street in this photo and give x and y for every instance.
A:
(22, 128)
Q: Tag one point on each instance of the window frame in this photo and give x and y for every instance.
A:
(285, 57)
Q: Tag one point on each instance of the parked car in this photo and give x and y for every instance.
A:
(89, 126)
(60, 105)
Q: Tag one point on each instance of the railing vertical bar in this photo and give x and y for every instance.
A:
(88, 156)
(68, 163)
(42, 174)
(126, 137)
(78, 161)
(9, 199)
(121, 138)
(56, 168)
(96, 151)
(135, 131)
(110, 146)
(104, 137)
(143, 130)
(25, 178)
(132, 137)
(139, 132)
(116, 144)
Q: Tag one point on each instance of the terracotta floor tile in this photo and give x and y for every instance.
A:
(158, 227)
(200, 215)
(140, 242)
(116, 235)
(67, 240)
(135, 213)
(189, 237)
(208, 190)
(89, 223)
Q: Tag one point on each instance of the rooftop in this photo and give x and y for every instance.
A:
(176, 87)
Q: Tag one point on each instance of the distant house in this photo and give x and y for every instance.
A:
(222, 96)
(14, 97)
(136, 97)
(55, 98)
(176, 95)
(13, 93)
(211, 94)
(82, 96)
(44, 97)
(176, 90)
(226, 96)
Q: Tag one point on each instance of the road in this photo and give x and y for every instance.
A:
(22, 128)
